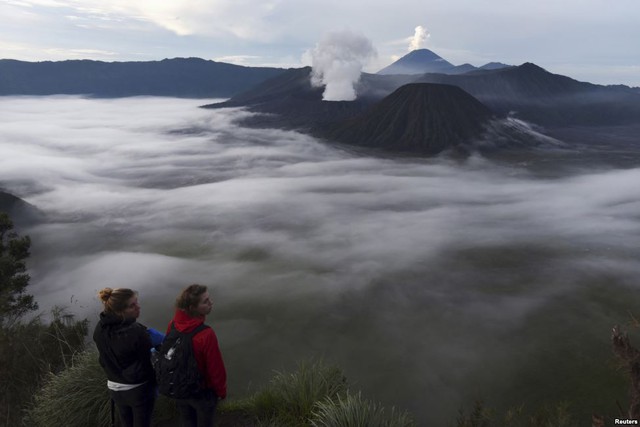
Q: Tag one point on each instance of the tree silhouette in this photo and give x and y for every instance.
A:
(14, 250)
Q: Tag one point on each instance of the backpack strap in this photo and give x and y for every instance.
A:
(191, 334)
(198, 328)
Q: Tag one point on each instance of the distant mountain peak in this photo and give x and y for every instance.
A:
(424, 54)
(418, 61)
(531, 66)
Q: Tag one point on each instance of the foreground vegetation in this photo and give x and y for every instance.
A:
(29, 349)
(558, 415)
(316, 394)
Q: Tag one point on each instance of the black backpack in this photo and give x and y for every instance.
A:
(175, 364)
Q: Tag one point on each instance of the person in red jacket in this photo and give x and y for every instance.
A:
(192, 306)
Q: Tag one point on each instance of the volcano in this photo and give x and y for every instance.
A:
(418, 118)
(418, 61)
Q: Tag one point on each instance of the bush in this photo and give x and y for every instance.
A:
(354, 411)
(29, 352)
(290, 398)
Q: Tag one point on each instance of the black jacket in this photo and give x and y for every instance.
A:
(124, 347)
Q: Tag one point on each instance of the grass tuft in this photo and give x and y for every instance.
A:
(352, 410)
(557, 415)
(77, 397)
(289, 399)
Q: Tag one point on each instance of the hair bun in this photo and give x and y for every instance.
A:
(105, 294)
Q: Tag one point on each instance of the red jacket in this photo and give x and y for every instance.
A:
(207, 352)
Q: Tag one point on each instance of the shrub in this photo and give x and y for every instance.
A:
(29, 352)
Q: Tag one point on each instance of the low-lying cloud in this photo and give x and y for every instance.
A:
(446, 277)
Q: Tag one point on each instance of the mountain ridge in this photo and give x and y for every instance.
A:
(548, 99)
(180, 77)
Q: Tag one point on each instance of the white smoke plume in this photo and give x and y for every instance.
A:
(419, 38)
(337, 62)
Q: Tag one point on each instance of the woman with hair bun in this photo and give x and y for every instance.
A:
(124, 346)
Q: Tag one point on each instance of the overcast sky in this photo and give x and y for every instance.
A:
(590, 40)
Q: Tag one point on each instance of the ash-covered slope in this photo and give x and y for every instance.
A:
(418, 118)
(291, 84)
(290, 101)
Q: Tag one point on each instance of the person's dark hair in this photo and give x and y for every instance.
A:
(190, 297)
(115, 300)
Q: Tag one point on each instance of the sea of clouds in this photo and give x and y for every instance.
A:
(432, 282)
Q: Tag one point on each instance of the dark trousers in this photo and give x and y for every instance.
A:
(136, 405)
(198, 411)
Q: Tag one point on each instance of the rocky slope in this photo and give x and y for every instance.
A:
(417, 118)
